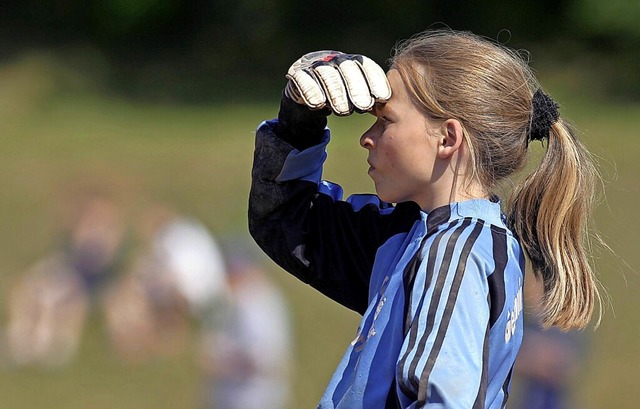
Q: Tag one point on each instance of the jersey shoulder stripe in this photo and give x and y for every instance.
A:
(409, 279)
(451, 301)
(497, 293)
(418, 335)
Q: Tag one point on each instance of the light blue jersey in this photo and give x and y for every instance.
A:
(457, 342)
(440, 293)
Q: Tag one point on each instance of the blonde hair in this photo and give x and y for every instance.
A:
(489, 89)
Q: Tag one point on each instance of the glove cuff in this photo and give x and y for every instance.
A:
(300, 126)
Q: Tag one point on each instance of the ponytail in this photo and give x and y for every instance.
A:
(549, 212)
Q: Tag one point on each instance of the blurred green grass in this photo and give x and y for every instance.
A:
(56, 142)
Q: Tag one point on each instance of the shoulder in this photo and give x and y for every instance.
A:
(475, 240)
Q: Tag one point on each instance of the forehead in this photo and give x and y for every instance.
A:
(399, 96)
(396, 82)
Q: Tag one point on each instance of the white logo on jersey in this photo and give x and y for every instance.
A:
(513, 315)
(359, 341)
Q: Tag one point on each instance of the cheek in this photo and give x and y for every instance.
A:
(389, 153)
(401, 153)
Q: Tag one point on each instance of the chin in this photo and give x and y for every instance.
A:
(387, 198)
(388, 195)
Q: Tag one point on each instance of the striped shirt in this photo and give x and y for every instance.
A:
(440, 293)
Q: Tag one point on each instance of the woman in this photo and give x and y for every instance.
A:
(431, 262)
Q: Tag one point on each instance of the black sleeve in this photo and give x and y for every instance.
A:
(300, 126)
(323, 242)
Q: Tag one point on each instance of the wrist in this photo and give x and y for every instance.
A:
(300, 126)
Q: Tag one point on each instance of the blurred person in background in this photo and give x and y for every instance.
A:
(549, 359)
(246, 347)
(49, 304)
(177, 276)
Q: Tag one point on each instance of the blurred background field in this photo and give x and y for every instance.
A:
(156, 103)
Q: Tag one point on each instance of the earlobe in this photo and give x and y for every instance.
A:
(451, 138)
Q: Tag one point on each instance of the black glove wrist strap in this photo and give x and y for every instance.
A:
(300, 126)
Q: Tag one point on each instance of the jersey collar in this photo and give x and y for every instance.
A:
(488, 210)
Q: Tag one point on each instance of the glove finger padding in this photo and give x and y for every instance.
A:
(344, 82)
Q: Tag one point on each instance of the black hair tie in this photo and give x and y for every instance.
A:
(545, 113)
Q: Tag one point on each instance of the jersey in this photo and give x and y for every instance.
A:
(440, 293)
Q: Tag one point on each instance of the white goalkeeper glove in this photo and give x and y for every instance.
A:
(343, 82)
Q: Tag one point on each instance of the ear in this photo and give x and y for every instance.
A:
(451, 138)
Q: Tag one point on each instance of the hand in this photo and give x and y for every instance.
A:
(343, 82)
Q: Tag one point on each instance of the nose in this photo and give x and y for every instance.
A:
(367, 138)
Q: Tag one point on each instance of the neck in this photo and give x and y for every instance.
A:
(451, 193)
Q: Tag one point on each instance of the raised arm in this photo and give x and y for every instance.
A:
(300, 221)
